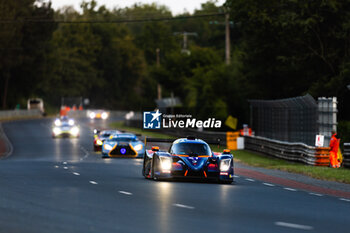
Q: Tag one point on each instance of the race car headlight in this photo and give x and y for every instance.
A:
(71, 122)
(104, 115)
(56, 130)
(138, 147)
(74, 130)
(58, 122)
(165, 163)
(107, 147)
(99, 142)
(92, 115)
(225, 164)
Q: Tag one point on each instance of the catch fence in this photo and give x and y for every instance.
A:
(290, 120)
(297, 119)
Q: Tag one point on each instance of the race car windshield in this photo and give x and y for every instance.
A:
(191, 149)
(123, 139)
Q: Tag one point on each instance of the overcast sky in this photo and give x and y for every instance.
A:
(176, 6)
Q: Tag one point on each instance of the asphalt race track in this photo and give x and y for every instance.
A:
(61, 185)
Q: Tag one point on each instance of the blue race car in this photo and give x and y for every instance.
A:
(123, 145)
(188, 158)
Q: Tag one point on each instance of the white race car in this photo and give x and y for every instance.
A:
(65, 127)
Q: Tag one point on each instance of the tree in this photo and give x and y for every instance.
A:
(23, 48)
(292, 46)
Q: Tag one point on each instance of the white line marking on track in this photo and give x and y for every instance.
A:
(293, 225)
(57, 166)
(92, 182)
(343, 199)
(290, 189)
(236, 176)
(65, 168)
(316, 194)
(268, 184)
(183, 206)
(76, 173)
(251, 180)
(126, 193)
(86, 153)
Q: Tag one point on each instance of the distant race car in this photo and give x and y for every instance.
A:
(98, 114)
(101, 136)
(65, 127)
(188, 158)
(123, 145)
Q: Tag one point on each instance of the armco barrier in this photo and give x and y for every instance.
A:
(8, 114)
(346, 155)
(83, 113)
(317, 156)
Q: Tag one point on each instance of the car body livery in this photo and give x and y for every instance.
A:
(101, 136)
(123, 145)
(188, 158)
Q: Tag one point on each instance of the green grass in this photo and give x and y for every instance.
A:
(257, 160)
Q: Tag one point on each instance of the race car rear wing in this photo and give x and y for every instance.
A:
(169, 140)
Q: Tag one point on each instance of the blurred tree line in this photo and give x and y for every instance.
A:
(280, 49)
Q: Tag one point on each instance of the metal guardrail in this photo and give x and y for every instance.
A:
(19, 113)
(317, 156)
(83, 113)
(346, 155)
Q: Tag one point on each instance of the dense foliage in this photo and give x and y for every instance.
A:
(280, 48)
(293, 47)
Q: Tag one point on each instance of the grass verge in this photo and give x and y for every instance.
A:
(258, 160)
(323, 173)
